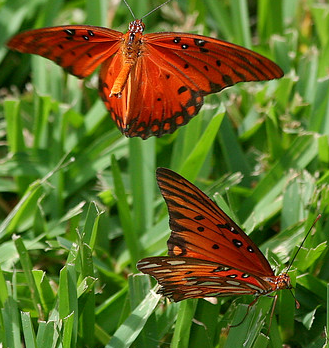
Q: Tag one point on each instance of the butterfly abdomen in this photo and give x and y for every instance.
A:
(130, 52)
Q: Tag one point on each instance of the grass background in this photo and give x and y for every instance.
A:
(79, 204)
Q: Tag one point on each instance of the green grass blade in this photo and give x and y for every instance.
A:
(68, 323)
(182, 331)
(67, 296)
(192, 165)
(27, 268)
(28, 331)
(125, 217)
(142, 179)
(130, 329)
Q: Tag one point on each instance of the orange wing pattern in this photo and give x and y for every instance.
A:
(79, 49)
(200, 229)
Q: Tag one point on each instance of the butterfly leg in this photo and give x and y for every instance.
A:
(245, 316)
(272, 313)
(273, 308)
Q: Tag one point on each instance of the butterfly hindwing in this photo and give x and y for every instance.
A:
(142, 110)
(184, 277)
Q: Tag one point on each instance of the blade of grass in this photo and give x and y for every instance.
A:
(240, 16)
(270, 18)
(68, 323)
(67, 296)
(27, 268)
(287, 310)
(193, 163)
(47, 335)
(97, 12)
(126, 334)
(128, 227)
(139, 287)
(28, 331)
(45, 291)
(182, 331)
(204, 329)
(10, 316)
(142, 179)
(222, 17)
(90, 229)
(299, 155)
(232, 152)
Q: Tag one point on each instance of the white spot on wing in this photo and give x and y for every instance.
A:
(232, 282)
(209, 284)
(252, 286)
(195, 292)
(191, 283)
(176, 263)
(150, 265)
(162, 271)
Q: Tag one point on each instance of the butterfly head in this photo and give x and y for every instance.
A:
(136, 26)
(283, 281)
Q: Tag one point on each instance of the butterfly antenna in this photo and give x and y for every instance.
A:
(129, 8)
(293, 259)
(297, 303)
(155, 9)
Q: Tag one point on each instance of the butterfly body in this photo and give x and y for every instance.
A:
(209, 255)
(151, 83)
(131, 50)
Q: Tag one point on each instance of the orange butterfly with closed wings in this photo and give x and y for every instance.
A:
(209, 254)
(150, 83)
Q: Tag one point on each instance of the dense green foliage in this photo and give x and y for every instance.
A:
(79, 203)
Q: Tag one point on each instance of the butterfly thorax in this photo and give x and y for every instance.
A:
(279, 282)
(131, 50)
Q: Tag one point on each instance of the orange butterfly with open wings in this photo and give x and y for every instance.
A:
(150, 83)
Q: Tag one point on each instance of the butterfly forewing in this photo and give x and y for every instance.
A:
(79, 49)
(208, 64)
(202, 230)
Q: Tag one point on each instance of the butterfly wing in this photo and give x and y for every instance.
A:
(201, 230)
(174, 72)
(79, 49)
(172, 75)
(184, 277)
(148, 98)
(209, 64)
